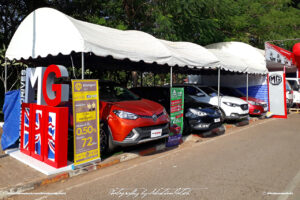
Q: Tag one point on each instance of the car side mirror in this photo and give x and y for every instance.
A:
(199, 94)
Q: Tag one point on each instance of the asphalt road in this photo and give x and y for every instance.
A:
(259, 161)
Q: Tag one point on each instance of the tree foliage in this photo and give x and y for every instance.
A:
(199, 21)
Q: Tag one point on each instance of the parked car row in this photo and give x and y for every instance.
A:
(139, 115)
(292, 92)
(198, 116)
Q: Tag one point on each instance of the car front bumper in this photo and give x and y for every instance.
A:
(236, 116)
(218, 131)
(204, 123)
(256, 110)
(143, 134)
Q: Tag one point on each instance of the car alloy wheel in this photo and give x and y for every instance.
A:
(103, 140)
(222, 114)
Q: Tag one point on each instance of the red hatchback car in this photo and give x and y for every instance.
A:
(127, 119)
(256, 106)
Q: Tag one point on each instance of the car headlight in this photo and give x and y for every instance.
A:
(125, 115)
(231, 104)
(253, 103)
(197, 112)
(165, 112)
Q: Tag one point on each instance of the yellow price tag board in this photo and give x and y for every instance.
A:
(85, 121)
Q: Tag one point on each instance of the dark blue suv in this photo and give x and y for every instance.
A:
(197, 116)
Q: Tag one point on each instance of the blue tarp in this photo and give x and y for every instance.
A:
(11, 111)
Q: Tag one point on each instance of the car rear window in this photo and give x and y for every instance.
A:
(114, 93)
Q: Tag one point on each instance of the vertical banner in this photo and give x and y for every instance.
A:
(85, 121)
(22, 94)
(277, 94)
(176, 126)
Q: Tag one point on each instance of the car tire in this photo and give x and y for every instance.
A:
(106, 145)
(222, 114)
(103, 139)
(186, 128)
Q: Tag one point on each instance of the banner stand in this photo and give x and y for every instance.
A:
(277, 94)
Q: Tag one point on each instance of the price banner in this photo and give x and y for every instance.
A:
(176, 127)
(85, 121)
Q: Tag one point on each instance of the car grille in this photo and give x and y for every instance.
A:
(215, 125)
(264, 105)
(150, 117)
(145, 132)
(244, 107)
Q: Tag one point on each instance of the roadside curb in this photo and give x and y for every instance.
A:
(192, 138)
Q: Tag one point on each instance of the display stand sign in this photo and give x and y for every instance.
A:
(176, 126)
(86, 121)
(277, 94)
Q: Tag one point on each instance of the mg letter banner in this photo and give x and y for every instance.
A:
(277, 94)
(86, 121)
(176, 126)
(38, 129)
(26, 130)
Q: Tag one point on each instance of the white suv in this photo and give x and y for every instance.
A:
(294, 83)
(232, 108)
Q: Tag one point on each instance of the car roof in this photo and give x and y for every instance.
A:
(107, 82)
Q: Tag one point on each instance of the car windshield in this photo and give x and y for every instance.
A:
(211, 92)
(293, 84)
(188, 98)
(115, 93)
(288, 86)
(232, 92)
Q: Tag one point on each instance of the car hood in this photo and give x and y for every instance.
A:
(232, 100)
(139, 107)
(253, 99)
(208, 109)
(211, 110)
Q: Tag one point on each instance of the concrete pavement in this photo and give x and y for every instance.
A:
(260, 161)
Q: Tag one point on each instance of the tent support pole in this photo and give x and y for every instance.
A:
(141, 79)
(5, 76)
(247, 85)
(82, 65)
(219, 74)
(154, 79)
(171, 76)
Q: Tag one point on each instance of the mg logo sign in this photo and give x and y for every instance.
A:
(40, 85)
(275, 79)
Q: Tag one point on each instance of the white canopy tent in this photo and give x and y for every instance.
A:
(229, 62)
(195, 55)
(239, 57)
(248, 59)
(47, 31)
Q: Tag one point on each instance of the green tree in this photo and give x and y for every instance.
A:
(257, 21)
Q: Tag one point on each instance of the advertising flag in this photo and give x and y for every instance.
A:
(85, 120)
(176, 126)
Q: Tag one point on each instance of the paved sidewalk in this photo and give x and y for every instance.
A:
(18, 177)
(13, 173)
